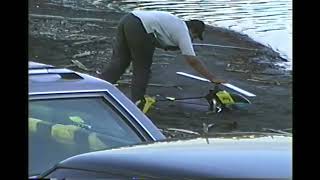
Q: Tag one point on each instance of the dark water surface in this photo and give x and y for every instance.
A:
(266, 21)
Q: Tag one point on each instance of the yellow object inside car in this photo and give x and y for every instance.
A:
(65, 134)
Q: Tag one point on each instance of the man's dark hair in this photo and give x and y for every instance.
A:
(197, 27)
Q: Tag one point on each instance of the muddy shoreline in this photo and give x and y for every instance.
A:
(58, 35)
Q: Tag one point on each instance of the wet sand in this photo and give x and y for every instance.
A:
(59, 34)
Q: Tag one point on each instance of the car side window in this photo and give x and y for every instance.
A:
(93, 114)
(64, 127)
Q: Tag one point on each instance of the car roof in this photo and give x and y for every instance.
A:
(230, 157)
(45, 78)
(36, 65)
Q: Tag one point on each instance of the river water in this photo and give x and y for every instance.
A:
(266, 21)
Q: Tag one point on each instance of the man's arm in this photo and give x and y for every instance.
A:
(201, 69)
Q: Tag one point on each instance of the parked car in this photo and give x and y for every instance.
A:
(224, 156)
(71, 113)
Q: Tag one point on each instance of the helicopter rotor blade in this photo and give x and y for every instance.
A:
(233, 87)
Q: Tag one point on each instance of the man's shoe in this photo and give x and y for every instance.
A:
(141, 103)
(146, 103)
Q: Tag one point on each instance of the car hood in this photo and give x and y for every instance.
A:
(228, 156)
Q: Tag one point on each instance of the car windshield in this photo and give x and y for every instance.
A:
(61, 128)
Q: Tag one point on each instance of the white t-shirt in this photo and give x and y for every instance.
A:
(168, 29)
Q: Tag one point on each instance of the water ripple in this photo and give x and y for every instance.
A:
(266, 21)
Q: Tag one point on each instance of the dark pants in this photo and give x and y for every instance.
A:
(134, 44)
